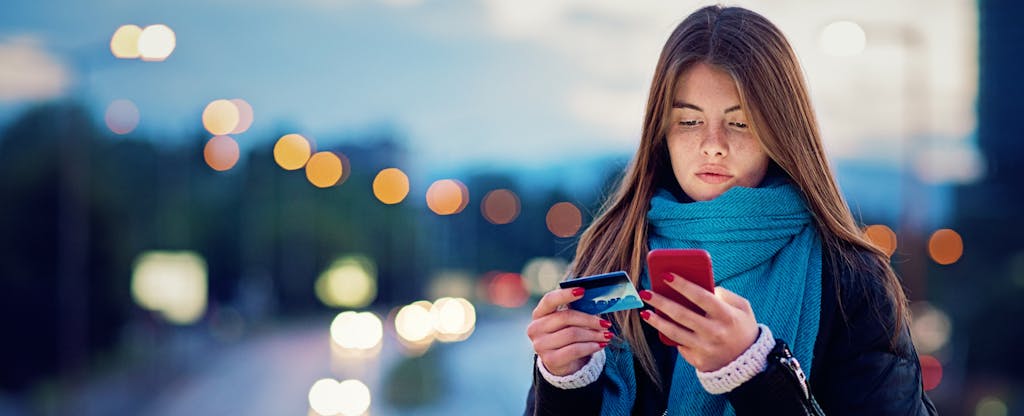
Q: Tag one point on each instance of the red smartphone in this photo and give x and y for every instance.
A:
(691, 264)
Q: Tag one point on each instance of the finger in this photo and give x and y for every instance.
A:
(682, 315)
(561, 319)
(551, 300)
(701, 297)
(732, 298)
(569, 353)
(680, 335)
(570, 335)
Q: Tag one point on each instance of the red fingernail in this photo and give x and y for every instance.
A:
(645, 294)
(608, 335)
(577, 291)
(669, 277)
(605, 323)
(645, 314)
(602, 344)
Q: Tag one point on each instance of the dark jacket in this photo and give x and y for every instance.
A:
(857, 371)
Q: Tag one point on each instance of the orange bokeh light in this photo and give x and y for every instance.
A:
(931, 371)
(220, 117)
(391, 186)
(564, 219)
(447, 197)
(291, 151)
(221, 153)
(945, 246)
(882, 237)
(324, 169)
(507, 290)
(500, 206)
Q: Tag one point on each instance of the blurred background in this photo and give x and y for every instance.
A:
(351, 206)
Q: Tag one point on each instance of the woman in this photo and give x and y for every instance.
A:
(731, 161)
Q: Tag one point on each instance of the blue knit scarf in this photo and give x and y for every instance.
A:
(764, 247)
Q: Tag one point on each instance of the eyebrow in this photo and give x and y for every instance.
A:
(680, 104)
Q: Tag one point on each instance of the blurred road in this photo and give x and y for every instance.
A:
(489, 373)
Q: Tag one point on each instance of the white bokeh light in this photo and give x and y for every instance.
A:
(454, 319)
(354, 397)
(325, 397)
(171, 283)
(414, 323)
(930, 327)
(843, 38)
(156, 42)
(357, 330)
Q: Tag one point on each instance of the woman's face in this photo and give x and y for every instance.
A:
(710, 142)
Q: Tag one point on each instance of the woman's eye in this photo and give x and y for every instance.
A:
(738, 124)
(689, 123)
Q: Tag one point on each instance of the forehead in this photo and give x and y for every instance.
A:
(707, 84)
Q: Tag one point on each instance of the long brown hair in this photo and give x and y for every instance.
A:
(772, 91)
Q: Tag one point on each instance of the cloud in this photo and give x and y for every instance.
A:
(28, 72)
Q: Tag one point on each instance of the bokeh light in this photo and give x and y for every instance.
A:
(391, 186)
(930, 327)
(931, 371)
(500, 206)
(447, 197)
(507, 290)
(564, 219)
(882, 237)
(324, 169)
(124, 44)
(325, 397)
(542, 274)
(991, 406)
(171, 283)
(349, 282)
(453, 318)
(843, 38)
(414, 323)
(156, 42)
(245, 115)
(357, 330)
(346, 167)
(291, 151)
(122, 116)
(945, 246)
(450, 283)
(221, 153)
(220, 117)
(354, 397)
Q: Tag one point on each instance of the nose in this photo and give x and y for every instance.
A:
(714, 144)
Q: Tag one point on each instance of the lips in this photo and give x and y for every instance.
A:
(713, 174)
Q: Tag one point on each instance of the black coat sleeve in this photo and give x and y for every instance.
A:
(857, 369)
(546, 399)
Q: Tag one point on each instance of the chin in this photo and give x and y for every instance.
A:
(704, 195)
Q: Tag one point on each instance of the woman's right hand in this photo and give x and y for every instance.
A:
(565, 339)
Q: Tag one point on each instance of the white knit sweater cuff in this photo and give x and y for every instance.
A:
(584, 376)
(753, 361)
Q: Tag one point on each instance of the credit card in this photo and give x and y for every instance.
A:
(604, 293)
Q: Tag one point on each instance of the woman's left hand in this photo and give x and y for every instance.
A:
(706, 342)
